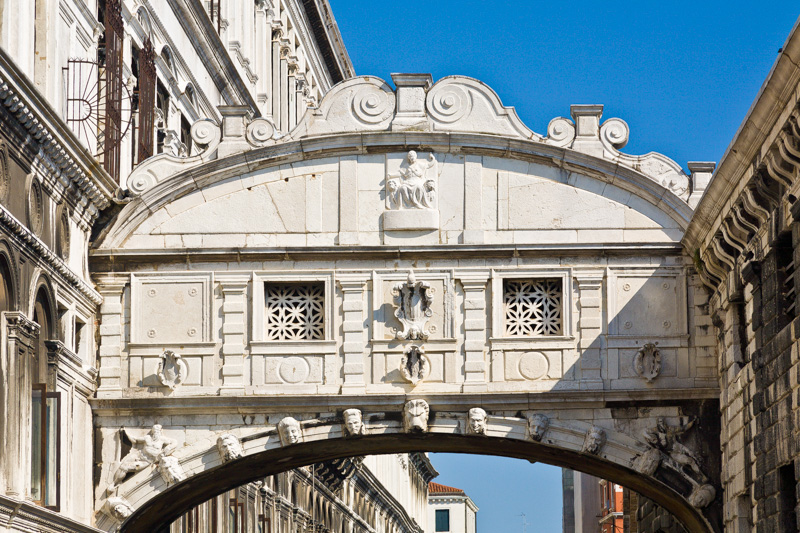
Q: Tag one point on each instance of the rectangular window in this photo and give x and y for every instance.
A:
(236, 517)
(295, 311)
(442, 519)
(45, 442)
(532, 307)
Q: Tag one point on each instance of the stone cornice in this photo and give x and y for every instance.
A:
(108, 260)
(34, 243)
(330, 47)
(70, 368)
(26, 516)
(158, 406)
(754, 174)
(18, 323)
(74, 164)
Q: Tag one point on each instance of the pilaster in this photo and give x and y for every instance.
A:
(21, 337)
(590, 330)
(353, 337)
(234, 332)
(111, 287)
(475, 332)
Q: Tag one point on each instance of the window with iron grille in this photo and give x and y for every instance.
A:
(295, 311)
(532, 307)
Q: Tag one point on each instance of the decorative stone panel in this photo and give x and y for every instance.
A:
(170, 309)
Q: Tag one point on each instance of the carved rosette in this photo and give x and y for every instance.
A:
(413, 300)
(172, 370)
(448, 102)
(414, 365)
(372, 105)
(647, 362)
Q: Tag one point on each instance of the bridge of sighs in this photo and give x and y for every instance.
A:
(409, 269)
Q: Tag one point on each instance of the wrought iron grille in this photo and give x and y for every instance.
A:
(532, 307)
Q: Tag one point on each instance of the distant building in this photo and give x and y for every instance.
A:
(592, 505)
(450, 510)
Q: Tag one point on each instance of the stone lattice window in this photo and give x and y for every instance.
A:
(532, 307)
(295, 311)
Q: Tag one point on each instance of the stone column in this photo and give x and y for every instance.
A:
(263, 62)
(275, 70)
(234, 332)
(474, 332)
(353, 341)
(283, 83)
(111, 288)
(590, 329)
(21, 337)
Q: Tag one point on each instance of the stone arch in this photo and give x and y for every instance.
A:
(42, 293)
(563, 445)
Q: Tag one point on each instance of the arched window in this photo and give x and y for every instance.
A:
(45, 413)
(166, 55)
(190, 95)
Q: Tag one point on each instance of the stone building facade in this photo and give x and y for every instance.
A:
(450, 510)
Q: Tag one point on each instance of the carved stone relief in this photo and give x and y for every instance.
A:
(172, 370)
(415, 416)
(476, 421)
(353, 422)
(411, 201)
(117, 508)
(415, 365)
(647, 362)
(665, 438)
(144, 452)
(229, 447)
(594, 441)
(171, 470)
(537, 426)
(290, 431)
(413, 301)
(702, 496)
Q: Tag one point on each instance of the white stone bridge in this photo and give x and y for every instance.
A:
(268, 278)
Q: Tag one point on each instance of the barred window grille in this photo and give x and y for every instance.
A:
(295, 312)
(532, 307)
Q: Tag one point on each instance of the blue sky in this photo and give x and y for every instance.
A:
(682, 74)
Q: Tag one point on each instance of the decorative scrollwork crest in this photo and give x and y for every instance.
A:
(647, 362)
(413, 300)
(172, 370)
(414, 365)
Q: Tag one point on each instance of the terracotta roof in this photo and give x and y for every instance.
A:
(436, 488)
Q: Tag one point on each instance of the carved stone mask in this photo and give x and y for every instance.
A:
(118, 508)
(352, 422)
(476, 421)
(595, 439)
(289, 431)
(415, 416)
(537, 426)
(229, 447)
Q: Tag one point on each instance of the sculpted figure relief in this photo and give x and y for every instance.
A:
(664, 438)
(290, 431)
(170, 469)
(144, 452)
(595, 439)
(229, 447)
(118, 508)
(411, 188)
(702, 496)
(537, 426)
(353, 424)
(476, 421)
(413, 300)
(415, 416)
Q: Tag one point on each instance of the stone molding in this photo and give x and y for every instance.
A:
(40, 249)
